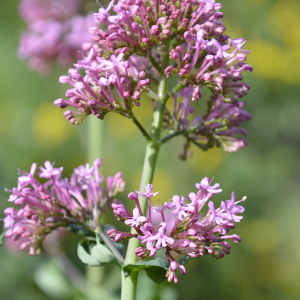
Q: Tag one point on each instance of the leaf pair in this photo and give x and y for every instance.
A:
(93, 252)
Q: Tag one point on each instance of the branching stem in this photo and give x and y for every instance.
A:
(110, 245)
(129, 283)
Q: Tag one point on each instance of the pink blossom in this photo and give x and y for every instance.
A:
(192, 233)
(205, 185)
(60, 202)
(136, 219)
(49, 171)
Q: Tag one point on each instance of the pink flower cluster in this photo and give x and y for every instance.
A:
(186, 231)
(94, 94)
(59, 202)
(128, 56)
(214, 65)
(55, 32)
(218, 126)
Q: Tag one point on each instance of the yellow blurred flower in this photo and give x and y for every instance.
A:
(50, 128)
(284, 22)
(276, 59)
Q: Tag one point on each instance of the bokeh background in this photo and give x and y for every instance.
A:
(266, 264)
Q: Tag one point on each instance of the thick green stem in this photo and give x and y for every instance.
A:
(94, 275)
(129, 286)
(95, 138)
(129, 283)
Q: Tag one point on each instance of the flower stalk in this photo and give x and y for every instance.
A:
(129, 283)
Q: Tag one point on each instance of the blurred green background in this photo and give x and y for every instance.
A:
(266, 264)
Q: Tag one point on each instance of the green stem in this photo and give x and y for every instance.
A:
(95, 138)
(174, 90)
(156, 65)
(133, 118)
(176, 133)
(129, 283)
(152, 94)
(179, 132)
(130, 116)
(94, 275)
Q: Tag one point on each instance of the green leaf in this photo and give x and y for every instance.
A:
(155, 269)
(102, 254)
(157, 274)
(84, 252)
(2, 237)
(94, 254)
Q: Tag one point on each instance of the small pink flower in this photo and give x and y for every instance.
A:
(136, 220)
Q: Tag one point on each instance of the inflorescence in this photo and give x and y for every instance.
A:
(55, 32)
(59, 202)
(186, 231)
(138, 42)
